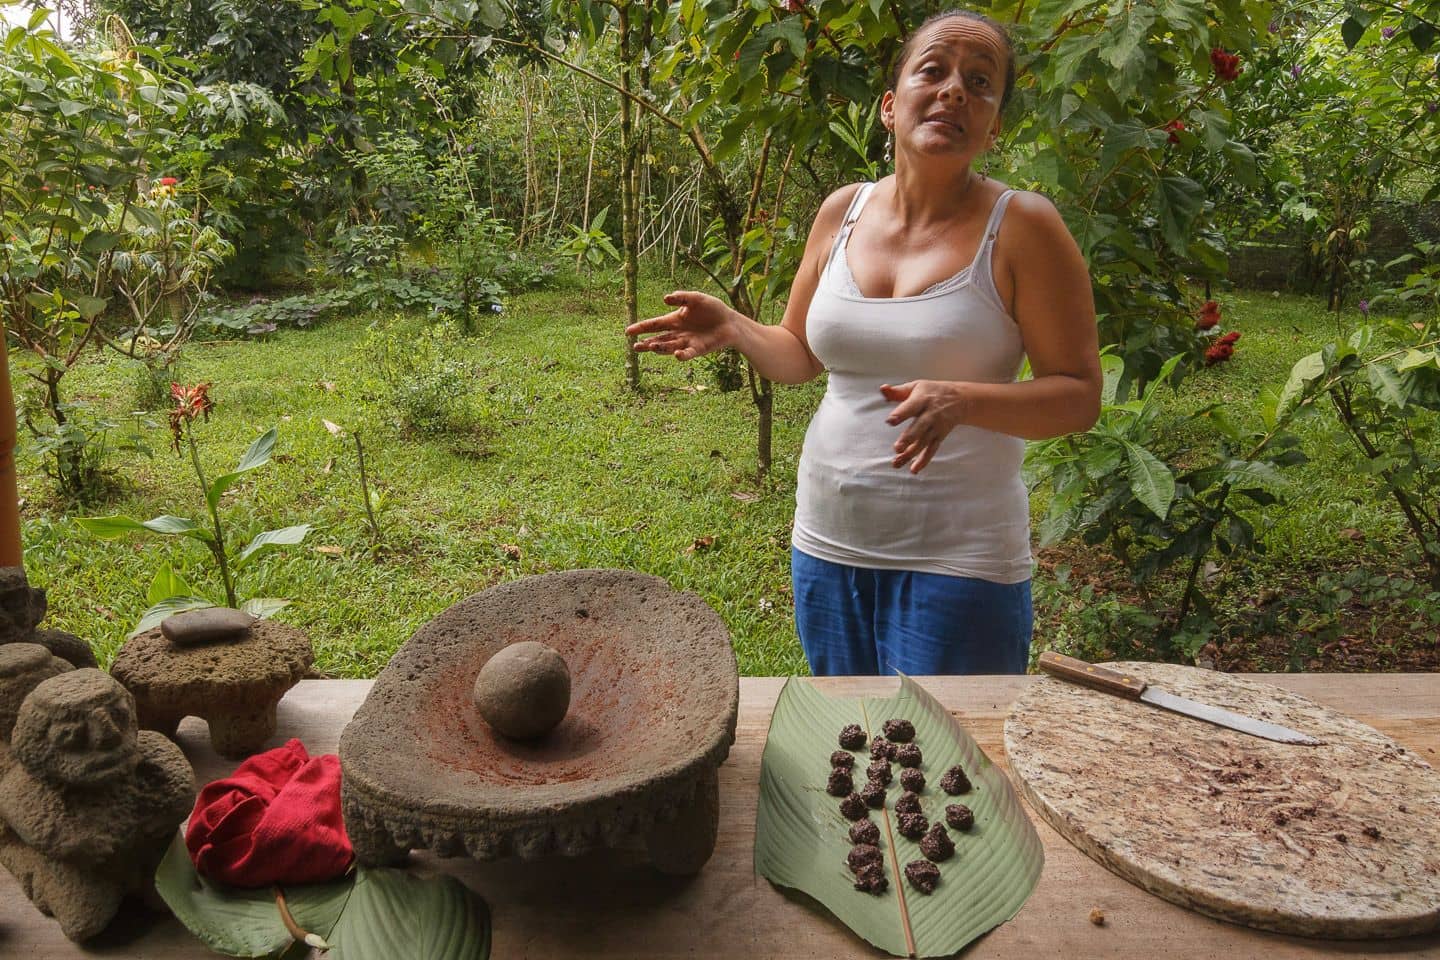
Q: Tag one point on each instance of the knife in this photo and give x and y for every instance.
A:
(1133, 688)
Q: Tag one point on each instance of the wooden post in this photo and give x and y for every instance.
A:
(10, 554)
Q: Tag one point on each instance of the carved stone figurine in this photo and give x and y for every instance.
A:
(88, 804)
(22, 607)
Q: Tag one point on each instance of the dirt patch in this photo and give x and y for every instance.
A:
(1292, 620)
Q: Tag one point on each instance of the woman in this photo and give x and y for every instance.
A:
(921, 295)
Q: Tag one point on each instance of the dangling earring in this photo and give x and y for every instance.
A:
(889, 147)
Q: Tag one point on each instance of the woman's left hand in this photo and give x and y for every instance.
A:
(934, 408)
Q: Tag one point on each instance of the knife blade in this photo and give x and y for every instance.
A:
(1133, 688)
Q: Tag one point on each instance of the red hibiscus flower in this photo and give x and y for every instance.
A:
(1173, 128)
(1230, 338)
(168, 181)
(1227, 65)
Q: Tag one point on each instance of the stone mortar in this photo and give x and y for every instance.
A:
(655, 694)
(234, 687)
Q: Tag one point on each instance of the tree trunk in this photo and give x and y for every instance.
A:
(10, 551)
(628, 216)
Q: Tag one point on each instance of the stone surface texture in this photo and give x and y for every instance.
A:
(22, 667)
(233, 687)
(207, 625)
(524, 690)
(22, 607)
(88, 804)
(1340, 840)
(655, 695)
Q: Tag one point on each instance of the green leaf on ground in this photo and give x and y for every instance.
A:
(801, 839)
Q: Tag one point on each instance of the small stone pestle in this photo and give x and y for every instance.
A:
(523, 691)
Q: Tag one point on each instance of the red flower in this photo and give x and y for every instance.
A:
(1173, 128)
(1218, 353)
(1209, 316)
(190, 402)
(168, 181)
(794, 6)
(1230, 338)
(1227, 65)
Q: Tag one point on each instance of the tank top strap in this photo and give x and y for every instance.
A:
(852, 214)
(982, 270)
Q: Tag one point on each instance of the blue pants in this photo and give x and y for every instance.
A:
(859, 621)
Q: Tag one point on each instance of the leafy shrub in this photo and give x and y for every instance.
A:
(366, 250)
(1383, 386)
(1157, 501)
(85, 443)
(425, 382)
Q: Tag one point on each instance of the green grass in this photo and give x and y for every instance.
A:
(559, 467)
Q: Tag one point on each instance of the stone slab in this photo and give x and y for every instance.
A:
(1340, 840)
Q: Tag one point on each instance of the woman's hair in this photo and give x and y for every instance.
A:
(909, 47)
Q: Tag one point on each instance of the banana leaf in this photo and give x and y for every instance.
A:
(801, 838)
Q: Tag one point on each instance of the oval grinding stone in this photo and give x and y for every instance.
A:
(1340, 840)
(524, 690)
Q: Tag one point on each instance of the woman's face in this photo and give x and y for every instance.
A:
(947, 99)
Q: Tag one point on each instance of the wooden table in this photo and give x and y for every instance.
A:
(601, 907)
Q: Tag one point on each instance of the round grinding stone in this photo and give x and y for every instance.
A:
(524, 690)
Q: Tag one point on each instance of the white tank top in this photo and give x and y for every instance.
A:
(967, 513)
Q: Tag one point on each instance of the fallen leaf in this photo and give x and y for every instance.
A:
(701, 543)
(1097, 917)
(331, 550)
(510, 550)
(327, 385)
(334, 428)
(1350, 533)
(744, 497)
(329, 465)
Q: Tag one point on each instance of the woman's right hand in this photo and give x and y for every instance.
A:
(700, 324)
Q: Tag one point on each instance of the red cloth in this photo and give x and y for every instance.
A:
(275, 820)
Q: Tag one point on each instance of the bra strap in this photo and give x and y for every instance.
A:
(852, 214)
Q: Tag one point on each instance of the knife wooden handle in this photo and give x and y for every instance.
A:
(1089, 675)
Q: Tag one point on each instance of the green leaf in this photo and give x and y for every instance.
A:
(115, 527)
(393, 914)
(801, 839)
(264, 607)
(110, 528)
(1388, 385)
(90, 307)
(1306, 369)
(175, 527)
(1351, 31)
(243, 923)
(1415, 358)
(1423, 34)
(1151, 481)
(1180, 200)
(157, 612)
(167, 584)
(257, 455)
(286, 536)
